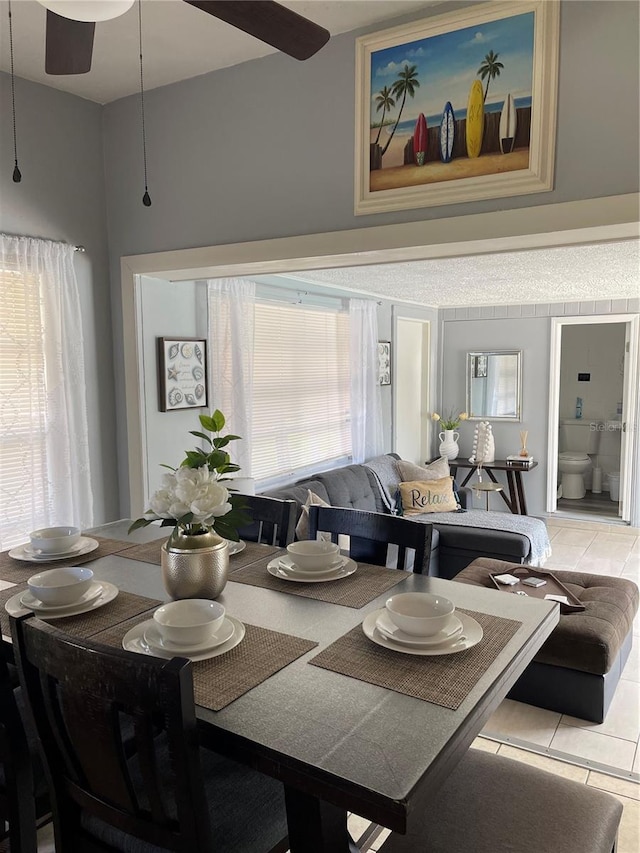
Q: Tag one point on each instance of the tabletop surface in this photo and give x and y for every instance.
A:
(348, 736)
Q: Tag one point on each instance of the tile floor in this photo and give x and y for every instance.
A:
(612, 746)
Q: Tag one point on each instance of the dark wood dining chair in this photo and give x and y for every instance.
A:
(371, 533)
(273, 523)
(85, 700)
(23, 791)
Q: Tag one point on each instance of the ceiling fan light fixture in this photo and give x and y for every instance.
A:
(88, 10)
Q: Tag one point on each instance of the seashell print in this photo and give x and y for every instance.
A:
(197, 373)
(191, 400)
(174, 349)
(186, 350)
(198, 352)
(199, 391)
(175, 397)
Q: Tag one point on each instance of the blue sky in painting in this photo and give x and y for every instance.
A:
(447, 65)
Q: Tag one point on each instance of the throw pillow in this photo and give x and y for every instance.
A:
(302, 527)
(420, 496)
(434, 471)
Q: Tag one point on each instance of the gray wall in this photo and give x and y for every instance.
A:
(61, 197)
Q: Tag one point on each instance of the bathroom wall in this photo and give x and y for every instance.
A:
(597, 350)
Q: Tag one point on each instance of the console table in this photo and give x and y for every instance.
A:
(516, 500)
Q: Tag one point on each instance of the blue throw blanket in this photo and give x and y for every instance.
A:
(386, 473)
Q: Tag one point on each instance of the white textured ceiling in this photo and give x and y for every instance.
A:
(179, 42)
(564, 274)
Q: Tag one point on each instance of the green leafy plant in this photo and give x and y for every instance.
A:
(451, 421)
(193, 497)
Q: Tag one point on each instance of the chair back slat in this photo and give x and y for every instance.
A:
(371, 533)
(108, 720)
(273, 520)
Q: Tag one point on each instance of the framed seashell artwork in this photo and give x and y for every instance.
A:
(182, 374)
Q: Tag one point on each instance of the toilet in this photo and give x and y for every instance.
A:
(579, 439)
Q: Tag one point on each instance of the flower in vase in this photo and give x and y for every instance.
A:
(451, 421)
(193, 498)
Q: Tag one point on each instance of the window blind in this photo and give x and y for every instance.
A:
(301, 389)
(23, 461)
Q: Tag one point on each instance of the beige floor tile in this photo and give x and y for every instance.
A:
(565, 556)
(598, 526)
(623, 717)
(636, 760)
(629, 833)
(624, 530)
(357, 825)
(631, 671)
(542, 762)
(377, 844)
(591, 746)
(572, 536)
(515, 719)
(600, 565)
(485, 745)
(45, 839)
(613, 785)
(610, 546)
(623, 538)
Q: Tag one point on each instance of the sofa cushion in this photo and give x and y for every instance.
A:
(590, 640)
(434, 471)
(302, 527)
(348, 487)
(298, 492)
(419, 496)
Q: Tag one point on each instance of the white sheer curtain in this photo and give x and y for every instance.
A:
(44, 449)
(366, 416)
(231, 304)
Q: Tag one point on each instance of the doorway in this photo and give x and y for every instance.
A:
(593, 404)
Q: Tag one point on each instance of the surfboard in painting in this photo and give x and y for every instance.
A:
(420, 140)
(508, 124)
(475, 120)
(447, 133)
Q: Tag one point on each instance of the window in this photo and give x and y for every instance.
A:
(23, 466)
(301, 390)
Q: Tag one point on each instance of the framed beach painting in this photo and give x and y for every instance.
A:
(182, 373)
(458, 107)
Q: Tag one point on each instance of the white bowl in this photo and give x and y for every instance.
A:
(189, 621)
(310, 554)
(60, 586)
(54, 540)
(420, 614)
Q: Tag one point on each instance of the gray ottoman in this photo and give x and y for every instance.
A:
(577, 669)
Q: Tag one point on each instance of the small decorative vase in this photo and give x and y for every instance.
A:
(449, 443)
(194, 565)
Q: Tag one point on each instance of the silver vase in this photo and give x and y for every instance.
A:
(195, 565)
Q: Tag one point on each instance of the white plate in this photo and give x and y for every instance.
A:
(14, 606)
(236, 547)
(289, 565)
(32, 603)
(278, 571)
(134, 641)
(26, 552)
(385, 626)
(153, 638)
(471, 636)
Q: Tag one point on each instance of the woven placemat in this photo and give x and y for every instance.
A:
(149, 552)
(444, 680)
(220, 680)
(21, 570)
(367, 583)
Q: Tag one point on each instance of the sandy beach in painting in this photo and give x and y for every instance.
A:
(395, 175)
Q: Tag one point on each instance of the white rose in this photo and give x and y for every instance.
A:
(160, 503)
(211, 501)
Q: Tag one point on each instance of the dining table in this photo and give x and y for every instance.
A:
(346, 725)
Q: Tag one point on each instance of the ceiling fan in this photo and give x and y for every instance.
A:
(71, 26)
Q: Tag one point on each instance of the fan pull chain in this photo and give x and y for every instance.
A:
(17, 174)
(146, 198)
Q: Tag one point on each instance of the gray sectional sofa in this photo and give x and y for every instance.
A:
(454, 546)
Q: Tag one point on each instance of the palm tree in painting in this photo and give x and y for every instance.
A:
(406, 84)
(384, 102)
(489, 69)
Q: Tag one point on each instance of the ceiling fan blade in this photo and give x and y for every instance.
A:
(69, 45)
(270, 22)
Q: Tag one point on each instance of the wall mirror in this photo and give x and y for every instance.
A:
(494, 385)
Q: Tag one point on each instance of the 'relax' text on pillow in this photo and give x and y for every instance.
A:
(420, 496)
